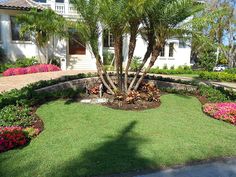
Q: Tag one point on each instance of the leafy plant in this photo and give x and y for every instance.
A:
(218, 76)
(135, 64)
(12, 115)
(213, 95)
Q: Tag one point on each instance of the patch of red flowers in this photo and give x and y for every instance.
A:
(11, 137)
(31, 69)
(222, 111)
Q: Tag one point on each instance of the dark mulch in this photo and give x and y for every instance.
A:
(138, 106)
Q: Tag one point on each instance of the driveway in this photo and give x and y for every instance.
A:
(19, 81)
(224, 168)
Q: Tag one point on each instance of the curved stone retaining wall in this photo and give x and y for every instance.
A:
(91, 82)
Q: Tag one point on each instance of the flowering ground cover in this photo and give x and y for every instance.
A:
(90, 140)
(11, 137)
(31, 69)
(222, 111)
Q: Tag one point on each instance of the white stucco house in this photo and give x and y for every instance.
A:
(73, 55)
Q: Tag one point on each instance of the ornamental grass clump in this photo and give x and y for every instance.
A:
(222, 111)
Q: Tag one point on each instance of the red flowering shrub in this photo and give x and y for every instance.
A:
(31, 69)
(11, 137)
(221, 111)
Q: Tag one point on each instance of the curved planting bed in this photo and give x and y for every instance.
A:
(88, 140)
(222, 111)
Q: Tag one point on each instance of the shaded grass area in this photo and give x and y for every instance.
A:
(88, 140)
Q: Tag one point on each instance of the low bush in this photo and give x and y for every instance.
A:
(231, 71)
(21, 62)
(11, 137)
(12, 115)
(221, 111)
(212, 94)
(179, 70)
(31, 132)
(218, 76)
(31, 69)
(135, 64)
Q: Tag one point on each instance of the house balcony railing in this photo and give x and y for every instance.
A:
(61, 8)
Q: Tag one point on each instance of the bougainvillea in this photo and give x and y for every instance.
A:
(11, 137)
(221, 111)
(31, 69)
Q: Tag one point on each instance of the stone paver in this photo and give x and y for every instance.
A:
(12, 82)
(225, 168)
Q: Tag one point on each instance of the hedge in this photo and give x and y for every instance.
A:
(218, 76)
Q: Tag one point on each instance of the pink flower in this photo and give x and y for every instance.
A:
(222, 111)
(31, 69)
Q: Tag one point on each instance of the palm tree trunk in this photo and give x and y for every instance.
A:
(146, 56)
(119, 61)
(132, 45)
(153, 59)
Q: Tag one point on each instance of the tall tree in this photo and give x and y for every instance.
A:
(42, 25)
(155, 20)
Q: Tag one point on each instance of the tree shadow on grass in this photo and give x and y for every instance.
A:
(116, 155)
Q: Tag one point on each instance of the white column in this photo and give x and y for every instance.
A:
(53, 4)
(100, 40)
(6, 32)
(66, 2)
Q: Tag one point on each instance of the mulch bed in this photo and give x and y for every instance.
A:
(138, 106)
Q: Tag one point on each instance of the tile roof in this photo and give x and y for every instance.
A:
(19, 4)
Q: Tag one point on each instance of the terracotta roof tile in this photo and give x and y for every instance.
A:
(19, 4)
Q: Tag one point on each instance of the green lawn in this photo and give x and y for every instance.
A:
(85, 140)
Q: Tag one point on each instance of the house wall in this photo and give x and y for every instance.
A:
(181, 55)
(14, 49)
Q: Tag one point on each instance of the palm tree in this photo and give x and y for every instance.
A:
(42, 26)
(163, 19)
(155, 20)
(89, 28)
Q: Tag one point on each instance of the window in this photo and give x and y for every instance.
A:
(162, 53)
(15, 31)
(171, 49)
(76, 45)
(182, 44)
(42, 1)
(60, 1)
(108, 39)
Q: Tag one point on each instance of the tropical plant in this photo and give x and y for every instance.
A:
(42, 27)
(155, 20)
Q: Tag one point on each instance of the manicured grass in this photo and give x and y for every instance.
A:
(87, 140)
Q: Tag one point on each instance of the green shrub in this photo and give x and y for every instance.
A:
(212, 94)
(24, 62)
(20, 62)
(135, 64)
(179, 70)
(107, 57)
(12, 115)
(231, 71)
(218, 76)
